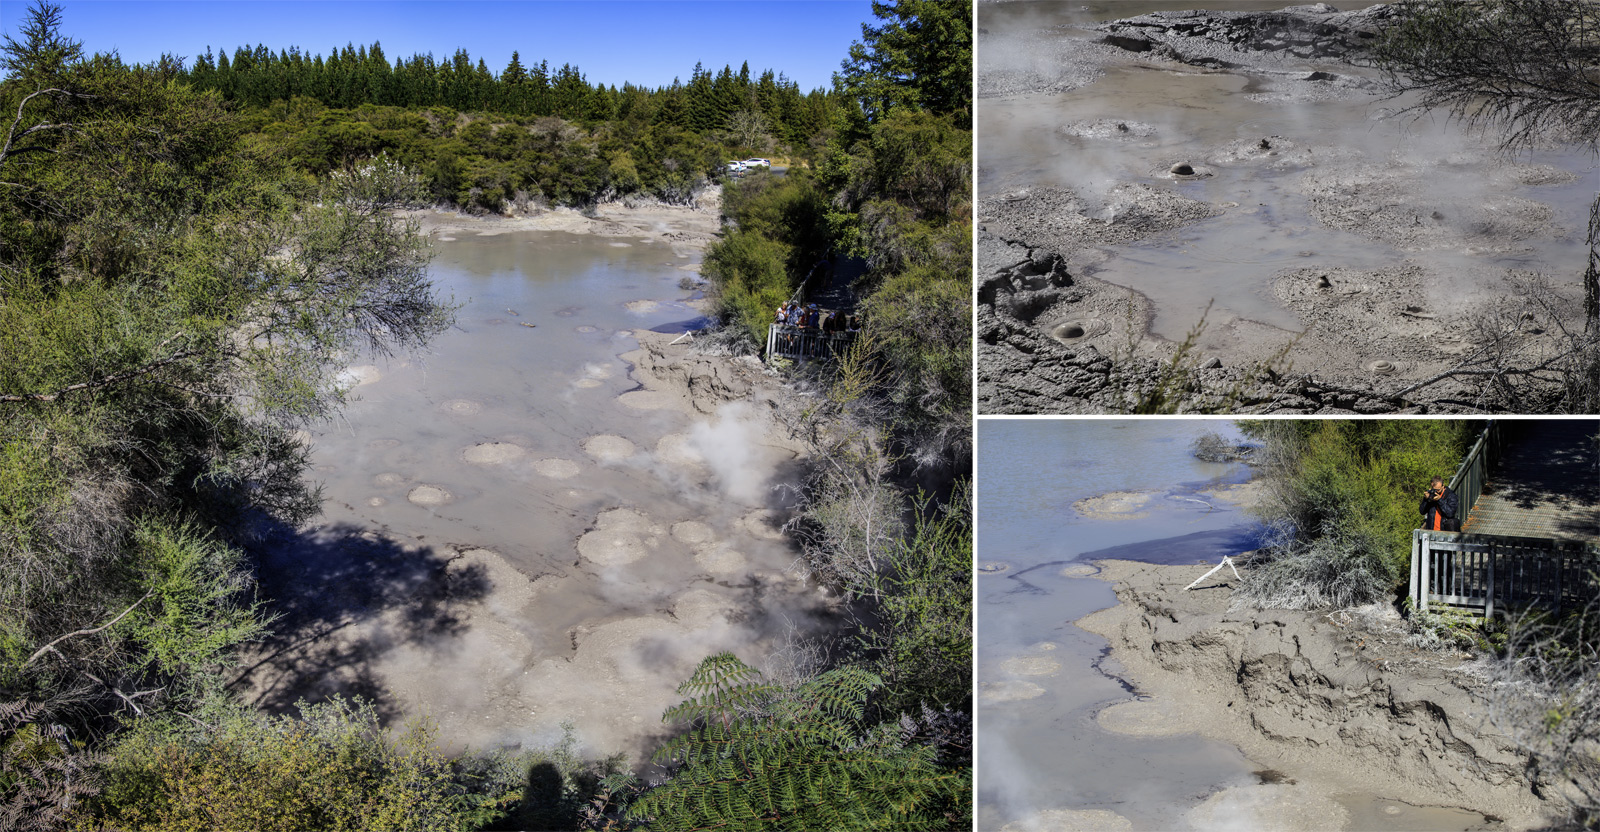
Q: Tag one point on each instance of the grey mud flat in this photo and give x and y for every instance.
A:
(551, 517)
(1332, 705)
(1378, 269)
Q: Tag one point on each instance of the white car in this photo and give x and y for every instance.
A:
(753, 163)
(736, 167)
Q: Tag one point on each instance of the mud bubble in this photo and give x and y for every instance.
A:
(556, 469)
(462, 407)
(430, 495)
(1031, 666)
(1070, 820)
(621, 536)
(493, 453)
(608, 447)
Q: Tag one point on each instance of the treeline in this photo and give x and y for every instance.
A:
(353, 76)
(529, 137)
(488, 163)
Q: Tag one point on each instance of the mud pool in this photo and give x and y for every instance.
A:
(1264, 144)
(516, 534)
(1056, 495)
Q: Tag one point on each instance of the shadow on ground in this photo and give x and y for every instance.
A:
(1549, 461)
(343, 596)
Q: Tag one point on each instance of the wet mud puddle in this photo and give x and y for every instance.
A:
(513, 535)
(1057, 495)
(1258, 155)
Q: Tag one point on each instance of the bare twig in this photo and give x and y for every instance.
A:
(114, 378)
(12, 136)
(50, 648)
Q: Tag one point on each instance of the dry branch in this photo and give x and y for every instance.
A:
(51, 647)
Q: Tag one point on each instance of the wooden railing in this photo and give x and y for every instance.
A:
(1482, 572)
(1474, 469)
(805, 344)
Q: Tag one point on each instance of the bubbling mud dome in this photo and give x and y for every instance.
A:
(506, 550)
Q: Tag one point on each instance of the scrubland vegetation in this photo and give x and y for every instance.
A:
(1342, 502)
(189, 254)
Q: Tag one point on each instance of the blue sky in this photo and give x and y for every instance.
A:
(648, 42)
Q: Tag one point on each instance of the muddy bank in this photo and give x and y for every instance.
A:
(688, 227)
(1333, 704)
(1350, 267)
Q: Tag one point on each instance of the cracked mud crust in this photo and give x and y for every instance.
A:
(1336, 700)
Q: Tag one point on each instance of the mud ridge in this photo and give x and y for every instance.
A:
(1332, 699)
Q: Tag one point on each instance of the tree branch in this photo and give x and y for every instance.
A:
(14, 398)
(1462, 370)
(11, 134)
(51, 647)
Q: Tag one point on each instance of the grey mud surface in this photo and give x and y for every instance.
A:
(1330, 705)
(1364, 338)
(548, 524)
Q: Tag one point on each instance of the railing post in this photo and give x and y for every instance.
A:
(1488, 595)
(1561, 574)
(1427, 573)
(1416, 569)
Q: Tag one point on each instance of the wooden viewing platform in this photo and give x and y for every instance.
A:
(1531, 490)
(1546, 485)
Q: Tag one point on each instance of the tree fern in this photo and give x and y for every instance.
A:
(759, 757)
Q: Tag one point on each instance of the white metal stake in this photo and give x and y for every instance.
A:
(1226, 561)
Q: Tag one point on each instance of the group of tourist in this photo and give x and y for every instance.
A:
(810, 317)
(797, 320)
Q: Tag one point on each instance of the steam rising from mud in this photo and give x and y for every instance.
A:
(729, 448)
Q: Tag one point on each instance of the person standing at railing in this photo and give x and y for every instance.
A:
(1438, 508)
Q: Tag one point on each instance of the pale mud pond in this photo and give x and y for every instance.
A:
(1064, 741)
(1283, 190)
(507, 542)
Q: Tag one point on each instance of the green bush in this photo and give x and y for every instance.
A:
(748, 272)
(333, 768)
(923, 647)
(1342, 503)
(757, 756)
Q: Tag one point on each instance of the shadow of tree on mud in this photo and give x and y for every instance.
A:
(344, 596)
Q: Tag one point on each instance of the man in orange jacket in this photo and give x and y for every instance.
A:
(1438, 508)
